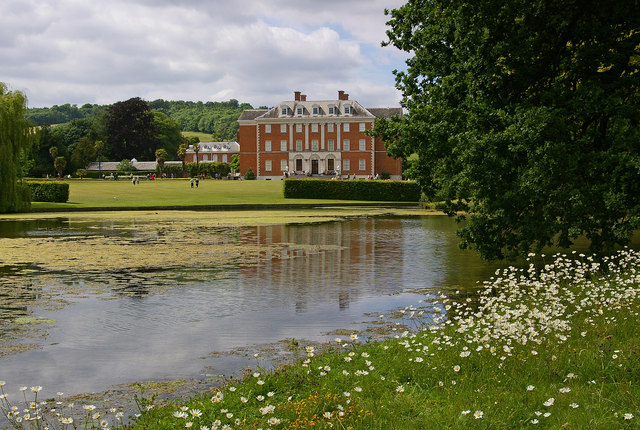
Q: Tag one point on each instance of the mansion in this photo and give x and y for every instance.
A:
(314, 137)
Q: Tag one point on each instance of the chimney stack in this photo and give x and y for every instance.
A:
(296, 96)
(342, 96)
(303, 97)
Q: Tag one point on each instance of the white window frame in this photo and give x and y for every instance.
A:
(332, 110)
(363, 126)
(346, 165)
(215, 157)
(283, 165)
(346, 145)
(347, 109)
(298, 128)
(362, 164)
(299, 145)
(314, 127)
(345, 127)
(314, 145)
(224, 158)
(284, 110)
(362, 144)
(300, 110)
(283, 145)
(330, 127)
(316, 110)
(267, 128)
(267, 146)
(331, 145)
(283, 128)
(267, 165)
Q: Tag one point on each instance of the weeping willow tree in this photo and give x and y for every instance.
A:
(16, 137)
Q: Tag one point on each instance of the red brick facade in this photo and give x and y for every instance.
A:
(314, 137)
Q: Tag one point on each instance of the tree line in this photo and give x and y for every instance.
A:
(135, 128)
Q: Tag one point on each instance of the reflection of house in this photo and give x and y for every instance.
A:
(316, 137)
(213, 151)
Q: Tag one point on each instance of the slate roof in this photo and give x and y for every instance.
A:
(251, 114)
(385, 112)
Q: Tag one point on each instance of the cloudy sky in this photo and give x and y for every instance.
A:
(255, 51)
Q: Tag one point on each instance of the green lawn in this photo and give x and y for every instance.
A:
(92, 193)
(204, 137)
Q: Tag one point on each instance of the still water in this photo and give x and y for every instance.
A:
(99, 326)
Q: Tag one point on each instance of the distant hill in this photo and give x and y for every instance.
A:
(216, 118)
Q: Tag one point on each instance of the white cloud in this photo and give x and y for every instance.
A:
(70, 51)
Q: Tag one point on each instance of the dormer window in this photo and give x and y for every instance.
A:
(316, 110)
(347, 109)
(300, 110)
(332, 110)
(284, 110)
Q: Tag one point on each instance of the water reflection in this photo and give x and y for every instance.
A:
(285, 281)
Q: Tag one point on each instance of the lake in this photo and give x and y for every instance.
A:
(91, 303)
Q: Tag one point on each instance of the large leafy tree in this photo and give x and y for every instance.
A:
(168, 132)
(16, 137)
(131, 130)
(525, 116)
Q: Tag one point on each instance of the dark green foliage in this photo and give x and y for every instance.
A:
(525, 116)
(168, 134)
(64, 113)
(249, 175)
(16, 138)
(209, 169)
(49, 191)
(363, 189)
(218, 118)
(131, 129)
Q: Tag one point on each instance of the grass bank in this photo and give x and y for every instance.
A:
(555, 347)
(174, 193)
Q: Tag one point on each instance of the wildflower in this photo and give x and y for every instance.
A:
(327, 415)
(196, 413)
(478, 414)
(574, 405)
(628, 416)
(23, 388)
(466, 412)
(346, 394)
(232, 389)
(400, 389)
(268, 409)
(357, 389)
(614, 356)
(36, 389)
(260, 382)
(229, 415)
(256, 375)
(66, 420)
(271, 394)
(180, 414)
(565, 390)
(530, 388)
(189, 424)
(244, 399)
(456, 368)
(273, 421)
(89, 407)
(534, 421)
(550, 402)
(2, 383)
(354, 336)
(217, 397)
(260, 398)
(547, 414)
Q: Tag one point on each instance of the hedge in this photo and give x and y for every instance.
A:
(360, 189)
(49, 191)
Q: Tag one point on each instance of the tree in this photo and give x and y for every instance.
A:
(131, 130)
(81, 173)
(161, 157)
(182, 154)
(195, 145)
(126, 166)
(83, 153)
(16, 138)
(525, 116)
(53, 151)
(60, 163)
(235, 163)
(99, 147)
(168, 132)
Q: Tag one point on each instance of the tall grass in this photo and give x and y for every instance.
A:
(552, 346)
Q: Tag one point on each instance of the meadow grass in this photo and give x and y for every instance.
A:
(94, 193)
(551, 345)
(204, 137)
